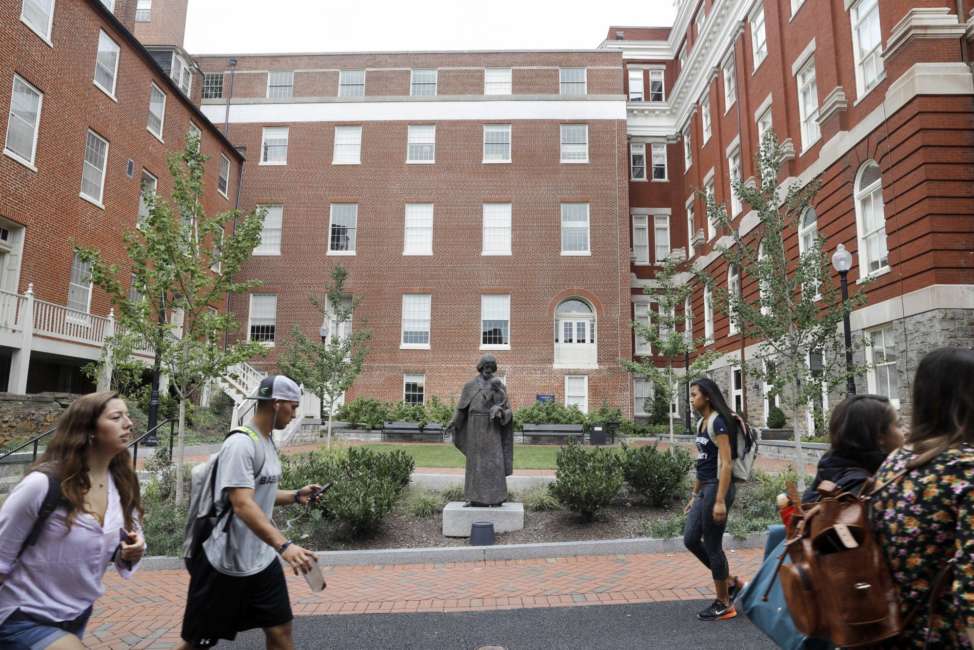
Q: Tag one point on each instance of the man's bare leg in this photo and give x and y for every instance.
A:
(279, 637)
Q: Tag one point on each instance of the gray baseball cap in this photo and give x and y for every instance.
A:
(279, 387)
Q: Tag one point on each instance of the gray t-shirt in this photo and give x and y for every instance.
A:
(238, 551)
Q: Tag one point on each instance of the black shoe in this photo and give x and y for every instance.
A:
(735, 589)
(717, 611)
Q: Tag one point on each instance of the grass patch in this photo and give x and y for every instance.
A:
(444, 455)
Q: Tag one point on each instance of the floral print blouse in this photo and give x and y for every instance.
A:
(922, 520)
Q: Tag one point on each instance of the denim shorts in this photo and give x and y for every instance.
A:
(23, 632)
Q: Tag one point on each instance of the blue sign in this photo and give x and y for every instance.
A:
(545, 398)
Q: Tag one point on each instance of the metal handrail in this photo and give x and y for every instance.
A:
(135, 443)
(32, 441)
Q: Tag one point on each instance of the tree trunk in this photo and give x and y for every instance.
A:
(799, 453)
(321, 411)
(182, 451)
(328, 437)
(669, 401)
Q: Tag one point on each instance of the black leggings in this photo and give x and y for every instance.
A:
(703, 536)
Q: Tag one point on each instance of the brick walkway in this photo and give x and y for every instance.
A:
(146, 611)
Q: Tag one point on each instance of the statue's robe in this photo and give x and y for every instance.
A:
(488, 445)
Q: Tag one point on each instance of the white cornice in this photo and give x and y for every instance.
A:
(934, 22)
(834, 102)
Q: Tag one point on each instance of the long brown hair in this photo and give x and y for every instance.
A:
(66, 458)
(943, 403)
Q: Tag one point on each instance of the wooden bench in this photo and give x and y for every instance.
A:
(560, 431)
(412, 431)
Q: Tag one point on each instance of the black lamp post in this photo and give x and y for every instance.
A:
(842, 262)
(686, 376)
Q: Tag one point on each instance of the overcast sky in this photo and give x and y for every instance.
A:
(266, 26)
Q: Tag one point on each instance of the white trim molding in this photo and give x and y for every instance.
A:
(834, 102)
(803, 57)
(937, 296)
(930, 22)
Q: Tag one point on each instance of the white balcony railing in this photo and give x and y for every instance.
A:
(63, 323)
(11, 310)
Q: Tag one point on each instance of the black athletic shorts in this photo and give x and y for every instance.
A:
(218, 606)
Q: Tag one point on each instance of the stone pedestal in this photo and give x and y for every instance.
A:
(457, 519)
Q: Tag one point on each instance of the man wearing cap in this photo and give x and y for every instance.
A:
(242, 585)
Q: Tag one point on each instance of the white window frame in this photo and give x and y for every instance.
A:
(411, 378)
(873, 193)
(194, 130)
(102, 38)
(347, 140)
(764, 124)
(416, 216)
(691, 230)
(415, 85)
(224, 164)
(354, 238)
(30, 163)
(161, 117)
(688, 321)
(862, 59)
(759, 36)
(494, 214)
(764, 290)
(417, 311)
(637, 149)
(182, 74)
(274, 248)
(733, 290)
(572, 146)
(804, 232)
(568, 402)
(46, 34)
(97, 200)
(504, 86)
(572, 86)
(250, 319)
(640, 239)
(709, 190)
(348, 88)
(484, 299)
(640, 397)
(657, 74)
(208, 88)
(730, 84)
(734, 172)
(77, 315)
(687, 147)
(588, 231)
(150, 182)
(274, 131)
(805, 79)
(143, 11)
(885, 334)
(642, 313)
(706, 124)
(499, 129)
(636, 90)
(414, 137)
(708, 314)
(658, 161)
(275, 87)
(661, 236)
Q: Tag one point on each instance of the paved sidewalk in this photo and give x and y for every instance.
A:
(146, 611)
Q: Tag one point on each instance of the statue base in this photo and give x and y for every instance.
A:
(458, 518)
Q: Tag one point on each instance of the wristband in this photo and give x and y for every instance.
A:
(297, 493)
(283, 547)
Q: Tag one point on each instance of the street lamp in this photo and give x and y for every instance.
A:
(842, 262)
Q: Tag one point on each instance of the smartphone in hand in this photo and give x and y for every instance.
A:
(316, 494)
(314, 578)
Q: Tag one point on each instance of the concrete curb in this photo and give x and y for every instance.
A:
(449, 554)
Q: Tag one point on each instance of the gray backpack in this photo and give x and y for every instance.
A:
(206, 508)
(744, 448)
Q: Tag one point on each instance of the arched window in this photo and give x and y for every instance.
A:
(733, 293)
(871, 220)
(575, 335)
(807, 231)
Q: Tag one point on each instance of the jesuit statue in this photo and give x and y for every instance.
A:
(483, 430)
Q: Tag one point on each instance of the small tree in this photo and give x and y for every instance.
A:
(667, 338)
(183, 263)
(799, 311)
(328, 366)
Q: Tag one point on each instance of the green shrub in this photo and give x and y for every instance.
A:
(754, 507)
(402, 412)
(604, 414)
(587, 479)
(776, 418)
(539, 499)
(661, 409)
(370, 413)
(164, 522)
(548, 413)
(453, 493)
(657, 476)
(439, 412)
(665, 527)
(423, 503)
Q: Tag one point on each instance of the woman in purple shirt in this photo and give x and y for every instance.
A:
(47, 589)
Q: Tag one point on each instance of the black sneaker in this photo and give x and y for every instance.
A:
(717, 611)
(735, 589)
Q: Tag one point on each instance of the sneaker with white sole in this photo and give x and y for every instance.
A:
(717, 611)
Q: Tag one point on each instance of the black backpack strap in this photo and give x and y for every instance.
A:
(52, 499)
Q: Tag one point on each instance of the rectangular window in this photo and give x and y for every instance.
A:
(705, 119)
(642, 314)
(351, 83)
(808, 104)
(79, 286)
(223, 177)
(182, 74)
(273, 146)
(574, 229)
(38, 15)
(867, 38)
(759, 39)
(661, 237)
(764, 124)
(572, 81)
(23, 122)
(642, 391)
(637, 161)
(687, 149)
(691, 229)
(344, 221)
(730, 85)
(423, 83)
(576, 392)
(497, 81)
(147, 189)
(495, 321)
(688, 321)
(734, 169)
(157, 111)
(659, 162)
(263, 318)
(574, 143)
(413, 389)
(416, 321)
(143, 11)
(708, 314)
(272, 230)
(93, 168)
(636, 85)
(497, 143)
(418, 238)
(106, 64)
(421, 144)
(280, 84)
(213, 85)
(348, 146)
(882, 377)
(708, 190)
(640, 238)
(657, 90)
(193, 133)
(497, 229)
(135, 296)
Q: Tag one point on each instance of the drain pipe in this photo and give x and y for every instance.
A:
(233, 229)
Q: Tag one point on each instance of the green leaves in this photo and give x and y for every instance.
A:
(587, 478)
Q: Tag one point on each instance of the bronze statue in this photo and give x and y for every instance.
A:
(483, 430)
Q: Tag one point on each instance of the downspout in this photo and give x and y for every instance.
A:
(233, 231)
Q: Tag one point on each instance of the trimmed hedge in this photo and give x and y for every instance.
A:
(587, 478)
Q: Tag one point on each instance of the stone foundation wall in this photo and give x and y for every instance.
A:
(26, 415)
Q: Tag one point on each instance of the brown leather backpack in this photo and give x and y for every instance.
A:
(838, 585)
